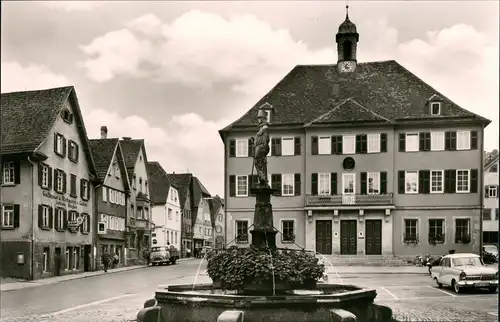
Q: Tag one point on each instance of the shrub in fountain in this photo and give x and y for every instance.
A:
(263, 270)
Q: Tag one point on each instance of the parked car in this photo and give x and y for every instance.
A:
(464, 271)
(164, 255)
(491, 252)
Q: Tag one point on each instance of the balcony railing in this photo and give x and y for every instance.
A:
(350, 200)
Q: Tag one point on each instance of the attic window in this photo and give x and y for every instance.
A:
(268, 114)
(67, 116)
(435, 108)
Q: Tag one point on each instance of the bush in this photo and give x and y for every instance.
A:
(236, 267)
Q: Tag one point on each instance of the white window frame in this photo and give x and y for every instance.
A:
(437, 141)
(236, 230)
(373, 143)
(61, 218)
(59, 181)
(325, 148)
(291, 177)
(291, 148)
(59, 143)
(8, 216)
(376, 178)
(346, 149)
(45, 216)
(463, 140)
(85, 228)
(73, 147)
(9, 173)
(85, 187)
(457, 182)
(344, 181)
(328, 191)
(432, 108)
(105, 194)
(415, 172)
(169, 213)
(238, 194)
(244, 147)
(268, 115)
(417, 142)
(282, 220)
(431, 181)
(492, 192)
(45, 262)
(45, 176)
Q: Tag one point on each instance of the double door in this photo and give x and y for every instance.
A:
(348, 238)
(373, 237)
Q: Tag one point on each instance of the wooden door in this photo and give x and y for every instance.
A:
(324, 237)
(373, 237)
(348, 238)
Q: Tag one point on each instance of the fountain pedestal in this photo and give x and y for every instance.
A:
(263, 234)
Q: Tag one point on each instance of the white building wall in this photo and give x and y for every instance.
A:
(174, 221)
(491, 178)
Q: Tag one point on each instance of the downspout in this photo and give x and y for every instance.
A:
(32, 268)
(481, 196)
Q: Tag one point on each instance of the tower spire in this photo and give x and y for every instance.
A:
(347, 12)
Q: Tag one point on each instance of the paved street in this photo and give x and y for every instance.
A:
(118, 297)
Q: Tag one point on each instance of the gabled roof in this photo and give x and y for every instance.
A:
(198, 191)
(386, 88)
(104, 151)
(29, 116)
(159, 183)
(183, 183)
(131, 150)
(216, 204)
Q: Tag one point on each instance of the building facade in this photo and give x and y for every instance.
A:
(218, 222)
(201, 222)
(183, 182)
(48, 177)
(361, 167)
(490, 211)
(139, 211)
(166, 210)
(112, 198)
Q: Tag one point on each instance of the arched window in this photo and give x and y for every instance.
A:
(347, 48)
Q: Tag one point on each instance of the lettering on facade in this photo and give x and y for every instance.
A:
(64, 201)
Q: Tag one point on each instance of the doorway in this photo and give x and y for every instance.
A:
(373, 237)
(57, 261)
(348, 238)
(324, 237)
(87, 258)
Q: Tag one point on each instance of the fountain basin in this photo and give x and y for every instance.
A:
(205, 303)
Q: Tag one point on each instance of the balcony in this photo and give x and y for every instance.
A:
(349, 200)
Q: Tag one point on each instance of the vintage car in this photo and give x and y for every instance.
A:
(164, 255)
(464, 271)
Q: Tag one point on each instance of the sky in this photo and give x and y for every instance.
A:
(174, 73)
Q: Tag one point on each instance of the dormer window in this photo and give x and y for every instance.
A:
(435, 108)
(67, 116)
(268, 108)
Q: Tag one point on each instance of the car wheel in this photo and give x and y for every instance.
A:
(492, 289)
(437, 283)
(456, 287)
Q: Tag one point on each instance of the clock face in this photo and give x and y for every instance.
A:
(347, 66)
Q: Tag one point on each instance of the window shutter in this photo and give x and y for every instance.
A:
(383, 183)
(64, 146)
(487, 191)
(334, 145)
(401, 182)
(232, 148)
(64, 180)
(473, 140)
(40, 167)
(87, 218)
(452, 181)
(16, 216)
(421, 142)
(278, 147)
(65, 219)
(339, 144)
(251, 184)
(55, 143)
(232, 186)
(358, 143)
(50, 177)
(77, 150)
(402, 142)
(82, 190)
(273, 146)
(314, 184)
(364, 143)
(17, 172)
(363, 183)
(447, 141)
(56, 218)
(297, 145)
(453, 141)
(250, 147)
(40, 211)
(423, 181)
(383, 142)
(51, 217)
(333, 183)
(446, 181)
(55, 178)
(73, 185)
(81, 226)
(276, 183)
(427, 145)
(297, 187)
(314, 145)
(473, 180)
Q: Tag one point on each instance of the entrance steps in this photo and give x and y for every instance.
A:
(366, 260)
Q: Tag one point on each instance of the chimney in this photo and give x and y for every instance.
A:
(104, 132)
(127, 138)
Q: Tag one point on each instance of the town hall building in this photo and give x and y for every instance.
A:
(367, 158)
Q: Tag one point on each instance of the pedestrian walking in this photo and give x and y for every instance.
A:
(147, 256)
(106, 260)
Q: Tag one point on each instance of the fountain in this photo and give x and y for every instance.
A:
(262, 282)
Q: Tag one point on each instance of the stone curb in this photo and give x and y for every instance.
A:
(7, 287)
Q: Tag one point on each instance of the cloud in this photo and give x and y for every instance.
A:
(72, 5)
(16, 77)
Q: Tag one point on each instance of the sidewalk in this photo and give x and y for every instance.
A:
(21, 284)
(356, 270)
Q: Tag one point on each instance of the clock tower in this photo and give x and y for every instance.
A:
(347, 40)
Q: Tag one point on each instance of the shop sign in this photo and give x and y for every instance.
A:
(63, 201)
